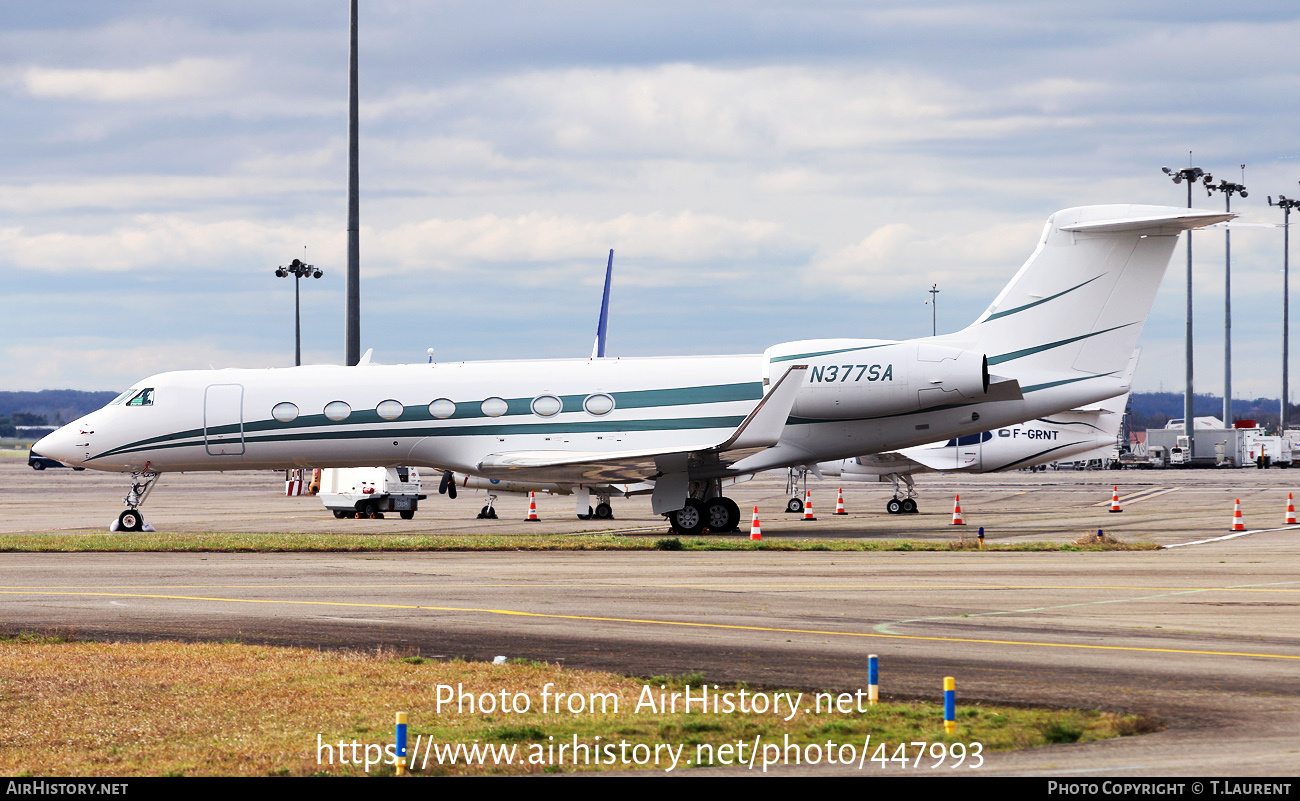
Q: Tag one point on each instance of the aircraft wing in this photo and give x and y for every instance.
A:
(760, 429)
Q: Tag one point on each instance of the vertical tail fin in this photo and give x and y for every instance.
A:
(602, 324)
(1080, 301)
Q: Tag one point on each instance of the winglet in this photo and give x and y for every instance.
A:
(763, 427)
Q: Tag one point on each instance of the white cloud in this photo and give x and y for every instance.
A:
(899, 256)
(185, 78)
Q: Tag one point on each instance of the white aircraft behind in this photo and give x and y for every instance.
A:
(1035, 442)
(1057, 337)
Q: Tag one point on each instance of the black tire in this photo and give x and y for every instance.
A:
(721, 515)
(339, 514)
(894, 507)
(688, 520)
(794, 506)
(604, 511)
(482, 514)
(78, 469)
(590, 514)
(130, 520)
(407, 514)
(909, 506)
(492, 513)
(38, 465)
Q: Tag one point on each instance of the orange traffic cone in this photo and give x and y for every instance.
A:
(807, 505)
(755, 530)
(532, 509)
(1237, 523)
(839, 503)
(957, 519)
(1114, 501)
(1290, 510)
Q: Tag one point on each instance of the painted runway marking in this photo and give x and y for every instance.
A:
(681, 623)
(525, 583)
(1232, 536)
(1144, 495)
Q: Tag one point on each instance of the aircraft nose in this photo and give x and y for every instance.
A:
(61, 445)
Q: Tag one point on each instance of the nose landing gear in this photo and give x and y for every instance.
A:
(142, 483)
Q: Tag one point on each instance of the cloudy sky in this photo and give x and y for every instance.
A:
(764, 171)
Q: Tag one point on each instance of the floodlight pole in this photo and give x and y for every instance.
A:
(1190, 175)
(934, 309)
(298, 270)
(1227, 188)
(352, 291)
(1286, 204)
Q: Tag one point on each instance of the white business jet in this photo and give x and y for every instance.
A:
(1057, 337)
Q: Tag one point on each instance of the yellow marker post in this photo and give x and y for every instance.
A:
(949, 704)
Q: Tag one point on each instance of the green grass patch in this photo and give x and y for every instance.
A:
(208, 709)
(219, 542)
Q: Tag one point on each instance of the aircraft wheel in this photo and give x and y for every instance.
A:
(688, 520)
(604, 511)
(894, 506)
(909, 506)
(492, 513)
(339, 514)
(407, 514)
(794, 505)
(483, 513)
(721, 515)
(38, 465)
(590, 514)
(78, 469)
(130, 520)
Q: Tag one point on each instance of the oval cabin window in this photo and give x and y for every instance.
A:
(337, 410)
(547, 405)
(494, 407)
(598, 404)
(442, 408)
(390, 410)
(284, 412)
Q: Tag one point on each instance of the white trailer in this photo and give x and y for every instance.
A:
(370, 491)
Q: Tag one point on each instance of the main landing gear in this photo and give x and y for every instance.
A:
(718, 514)
(602, 510)
(793, 478)
(142, 484)
(904, 500)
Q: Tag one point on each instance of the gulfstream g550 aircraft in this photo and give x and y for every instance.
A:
(1057, 337)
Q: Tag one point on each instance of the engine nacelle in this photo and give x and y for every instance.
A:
(857, 378)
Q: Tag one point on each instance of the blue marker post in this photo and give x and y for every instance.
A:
(401, 743)
(949, 704)
(873, 679)
(981, 536)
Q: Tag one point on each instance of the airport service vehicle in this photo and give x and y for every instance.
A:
(1269, 451)
(37, 462)
(1057, 337)
(370, 491)
(1215, 446)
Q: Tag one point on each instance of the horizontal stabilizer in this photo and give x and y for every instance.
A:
(1167, 223)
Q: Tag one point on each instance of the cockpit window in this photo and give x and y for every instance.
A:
(120, 399)
(142, 398)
